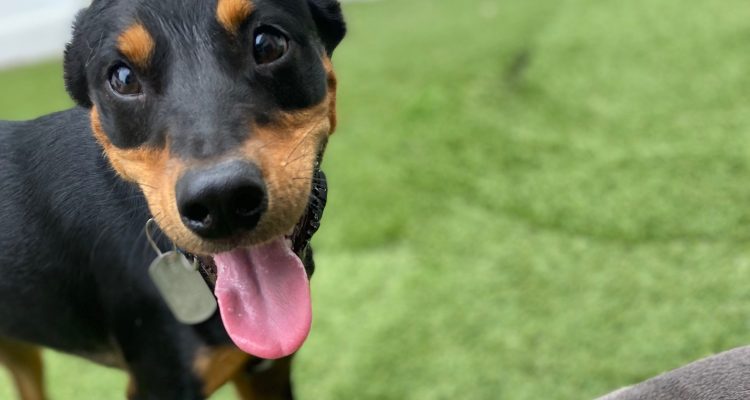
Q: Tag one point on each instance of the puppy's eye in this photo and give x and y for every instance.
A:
(269, 45)
(124, 81)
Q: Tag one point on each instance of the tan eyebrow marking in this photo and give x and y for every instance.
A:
(232, 13)
(137, 45)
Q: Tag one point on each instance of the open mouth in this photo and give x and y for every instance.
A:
(264, 291)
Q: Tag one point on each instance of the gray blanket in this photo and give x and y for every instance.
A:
(725, 376)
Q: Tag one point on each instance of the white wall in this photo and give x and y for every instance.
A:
(32, 30)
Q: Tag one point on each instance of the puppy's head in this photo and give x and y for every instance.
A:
(218, 109)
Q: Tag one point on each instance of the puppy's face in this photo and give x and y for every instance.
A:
(218, 109)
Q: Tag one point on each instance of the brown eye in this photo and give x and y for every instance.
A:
(269, 45)
(123, 81)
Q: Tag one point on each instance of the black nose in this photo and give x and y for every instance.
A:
(222, 200)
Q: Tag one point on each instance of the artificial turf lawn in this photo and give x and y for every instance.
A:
(529, 200)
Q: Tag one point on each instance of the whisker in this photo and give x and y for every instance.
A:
(302, 139)
(302, 156)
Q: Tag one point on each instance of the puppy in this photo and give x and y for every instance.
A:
(211, 117)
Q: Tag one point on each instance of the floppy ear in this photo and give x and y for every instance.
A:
(77, 54)
(330, 22)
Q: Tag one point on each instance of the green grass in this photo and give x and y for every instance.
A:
(530, 199)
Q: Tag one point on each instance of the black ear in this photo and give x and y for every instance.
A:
(330, 22)
(77, 54)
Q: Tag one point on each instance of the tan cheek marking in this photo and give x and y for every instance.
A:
(285, 151)
(332, 90)
(232, 13)
(154, 171)
(140, 165)
(217, 366)
(137, 45)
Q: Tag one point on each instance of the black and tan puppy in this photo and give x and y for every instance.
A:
(209, 116)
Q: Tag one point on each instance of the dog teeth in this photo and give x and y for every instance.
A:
(288, 242)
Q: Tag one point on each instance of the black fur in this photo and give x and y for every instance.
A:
(330, 21)
(74, 257)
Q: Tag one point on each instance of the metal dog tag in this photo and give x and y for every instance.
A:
(183, 288)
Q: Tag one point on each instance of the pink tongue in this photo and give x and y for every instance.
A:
(264, 299)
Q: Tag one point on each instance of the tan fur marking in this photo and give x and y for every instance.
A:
(217, 366)
(271, 384)
(332, 89)
(130, 391)
(152, 169)
(137, 45)
(286, 150)
(232, 13)
(25, 364)
(135, 165)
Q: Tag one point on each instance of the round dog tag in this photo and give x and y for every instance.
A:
(183, 288)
